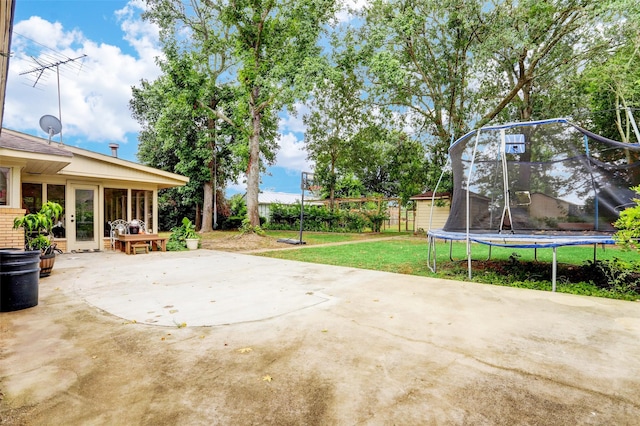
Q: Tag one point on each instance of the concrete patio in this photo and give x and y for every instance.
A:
(209, 337)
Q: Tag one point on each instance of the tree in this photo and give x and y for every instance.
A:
(180, 136)
(337, 115)
(613, 90)
(276, 46)
(452, 63)
(272, 51)
(533, 44)
(419, 58)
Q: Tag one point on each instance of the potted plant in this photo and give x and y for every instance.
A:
(189, 234)
(38, 233)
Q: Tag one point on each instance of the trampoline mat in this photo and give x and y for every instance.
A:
(523, 240)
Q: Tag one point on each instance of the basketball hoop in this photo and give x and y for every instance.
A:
(307, 182)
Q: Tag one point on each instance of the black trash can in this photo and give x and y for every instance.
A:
(19, 278)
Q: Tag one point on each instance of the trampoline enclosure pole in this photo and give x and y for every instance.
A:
(473, 160)
(554, 269)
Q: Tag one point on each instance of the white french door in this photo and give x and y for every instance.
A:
(83, 218)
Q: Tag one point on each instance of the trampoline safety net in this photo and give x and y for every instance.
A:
(547, 177)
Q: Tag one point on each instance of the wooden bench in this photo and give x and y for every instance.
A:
(135, 248)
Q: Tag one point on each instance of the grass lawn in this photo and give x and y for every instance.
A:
(508, 266)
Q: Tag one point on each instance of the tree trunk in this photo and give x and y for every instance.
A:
(198, 221)
(253, 169)
(207, 208)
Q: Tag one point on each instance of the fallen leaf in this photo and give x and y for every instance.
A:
(163, 338)
(325, 330)
(94, 357)
(267, 378)
(173, 311)
(245, 350)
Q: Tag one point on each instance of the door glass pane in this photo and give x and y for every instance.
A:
(56, 193)
(84, 215)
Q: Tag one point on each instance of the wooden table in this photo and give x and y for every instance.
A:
(125, 241)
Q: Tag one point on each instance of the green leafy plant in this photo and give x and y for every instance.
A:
(247, 228)
(38, 227)
(189, 230)
(180, 235)
(628, 225)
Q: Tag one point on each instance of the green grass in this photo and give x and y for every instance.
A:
(408, 255)
(315, 238)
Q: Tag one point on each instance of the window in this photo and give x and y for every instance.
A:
(32, 197)
(142, 207)
(5, 184)
(115, 207)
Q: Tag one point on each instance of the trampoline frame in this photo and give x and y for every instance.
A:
(534, 241)
(509, 237)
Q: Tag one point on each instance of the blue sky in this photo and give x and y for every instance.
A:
(120, 50)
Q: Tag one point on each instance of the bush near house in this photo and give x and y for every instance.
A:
(322, 219)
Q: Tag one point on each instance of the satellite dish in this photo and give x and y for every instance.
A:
(51, 125)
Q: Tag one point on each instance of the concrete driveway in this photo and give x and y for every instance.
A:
(206, 337)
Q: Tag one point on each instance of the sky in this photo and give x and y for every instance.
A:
(102, 49)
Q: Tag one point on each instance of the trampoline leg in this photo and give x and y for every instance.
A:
(451, 250)
(489, 256)
(554, 270)
(535, 254)
(469, 258)
(432, 247)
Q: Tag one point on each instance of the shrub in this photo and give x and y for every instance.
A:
(628, 225)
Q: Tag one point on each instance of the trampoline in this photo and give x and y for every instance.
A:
(538, 184)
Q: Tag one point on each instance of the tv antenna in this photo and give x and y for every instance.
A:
(51, 125)
(39, 70)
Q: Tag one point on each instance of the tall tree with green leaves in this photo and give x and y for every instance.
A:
(455, 64)
(276, 45)
(614, 92)
(179, 135)
(532, 46)
(337, 114)
(419, 59)
(272, 50)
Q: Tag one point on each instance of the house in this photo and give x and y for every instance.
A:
(432, 210)
(93, 188)
(267, 198)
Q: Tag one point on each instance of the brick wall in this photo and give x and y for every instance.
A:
(10, 237)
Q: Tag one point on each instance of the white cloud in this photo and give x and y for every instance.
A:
(94, 91)
(346, 14)
(292, 154)
(293, 123)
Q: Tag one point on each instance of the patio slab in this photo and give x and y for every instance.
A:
(208, 337)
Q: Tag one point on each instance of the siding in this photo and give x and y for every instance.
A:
(423, 215)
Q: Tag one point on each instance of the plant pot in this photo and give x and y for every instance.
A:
(18, 279)
(46, 264)
(192, 243)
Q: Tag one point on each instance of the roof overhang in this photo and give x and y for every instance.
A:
(37, 156)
